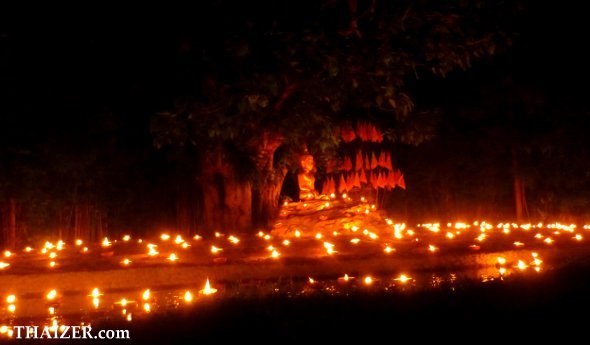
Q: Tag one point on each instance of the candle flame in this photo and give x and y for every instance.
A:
(106, 242)
(403, 278)
(208, 290)
(95, 293)
(188, 296)
(51, 295)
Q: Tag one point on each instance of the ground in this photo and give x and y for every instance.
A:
(336, 266)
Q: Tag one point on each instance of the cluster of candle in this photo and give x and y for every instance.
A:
(385, 238)
(390, 236)
(126, 305)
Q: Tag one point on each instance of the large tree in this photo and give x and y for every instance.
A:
(268, 79)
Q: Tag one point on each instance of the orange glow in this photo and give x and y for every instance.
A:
(233, 239)
(95, 293)
(403, 278)
(345, 278)
(123, 302)
(329, 248)
(208, 290)
(152, 250)
(51, 295)
(548, 240)
(188, 297)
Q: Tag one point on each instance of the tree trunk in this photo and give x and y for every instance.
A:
(265, 196)
(265, 201)
(224, 200)
(519, 190)
(230, 203)
(519, 199)
(183, 214)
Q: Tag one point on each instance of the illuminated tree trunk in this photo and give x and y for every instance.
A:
(265, 197)
(228, 201)
(265, 200)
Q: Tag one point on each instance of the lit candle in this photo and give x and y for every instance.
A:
(208, 290)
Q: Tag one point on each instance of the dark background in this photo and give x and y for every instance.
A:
(77, 96)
